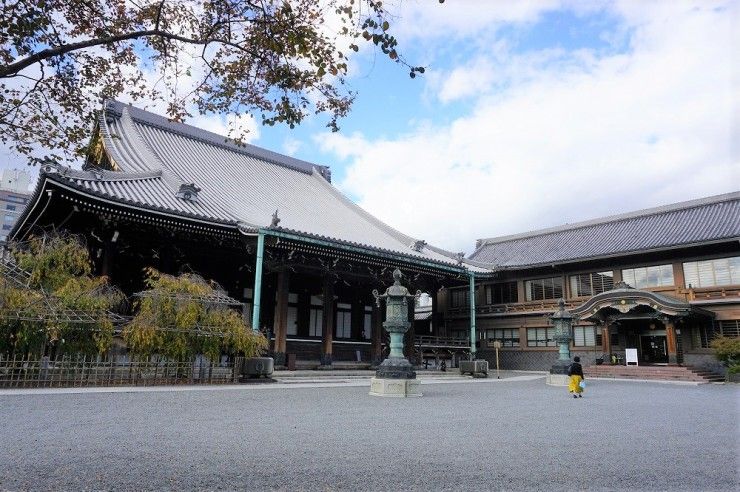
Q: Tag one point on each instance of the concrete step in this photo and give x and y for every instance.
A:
(666, 373)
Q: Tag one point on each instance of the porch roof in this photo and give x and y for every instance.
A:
(624, 299)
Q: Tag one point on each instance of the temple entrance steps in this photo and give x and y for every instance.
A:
(657, 373)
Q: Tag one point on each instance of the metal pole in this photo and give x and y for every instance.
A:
(472, 316)
(256, 298)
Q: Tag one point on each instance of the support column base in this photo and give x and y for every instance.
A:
(326, 359)
(279, 358)
(395, 388)
(559, 373)
(557, 379)
(395, 368)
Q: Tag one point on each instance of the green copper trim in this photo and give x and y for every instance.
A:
(356, 249)
(472, 315)
(257, 297)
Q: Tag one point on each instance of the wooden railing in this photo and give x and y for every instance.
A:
(519, 307)
(428, 341)
(699, 294)
(711, 293)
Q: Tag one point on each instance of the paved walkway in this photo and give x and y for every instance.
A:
(311, 379)
(511, 434)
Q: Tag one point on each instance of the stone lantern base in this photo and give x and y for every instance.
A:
(558, 375)
(395, 388)
(395, 377)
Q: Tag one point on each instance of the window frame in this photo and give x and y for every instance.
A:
(528, 283)
(632, 282)
(513, 340)
(511, 288)
(456, 295)
(575, 292)
(548, 341)
(343, 313)
(733, 272)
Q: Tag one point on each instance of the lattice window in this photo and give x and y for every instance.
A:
(586, 336)
(712, 273)
(367, 323)
(459, 298)
(509, 337)
(540, 337)
(730, 328)
(316, 320)
(650, 276)
(590, 284)
(344, 321)
(502, 293)
(544, 288)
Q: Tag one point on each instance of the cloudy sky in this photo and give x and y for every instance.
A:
(534, 114)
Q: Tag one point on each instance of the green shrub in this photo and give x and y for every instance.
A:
(727, 350)
(174, 319)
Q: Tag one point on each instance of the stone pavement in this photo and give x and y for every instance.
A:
(512, 434)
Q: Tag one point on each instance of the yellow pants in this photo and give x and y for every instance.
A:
(575, 384)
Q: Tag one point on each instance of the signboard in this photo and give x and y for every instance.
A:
(630, 356)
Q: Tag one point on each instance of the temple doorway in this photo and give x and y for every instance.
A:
(654, 349)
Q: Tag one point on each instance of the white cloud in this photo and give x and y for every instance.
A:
(291, 145)
(426, 19)
(243, 125)
(574, 138)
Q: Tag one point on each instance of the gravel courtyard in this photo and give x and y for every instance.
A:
(480, 435)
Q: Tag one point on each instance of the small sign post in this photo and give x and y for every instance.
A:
(630, 356)
(497, 345)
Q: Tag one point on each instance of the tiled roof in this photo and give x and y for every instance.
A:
(238, 184)
(688, 223)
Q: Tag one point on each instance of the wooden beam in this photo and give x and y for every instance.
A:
(280, 324)
(327, 328)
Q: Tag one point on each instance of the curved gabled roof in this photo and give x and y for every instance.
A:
(688, 223)
(236, 184)
(625, 298)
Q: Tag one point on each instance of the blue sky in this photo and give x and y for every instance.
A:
(533, 114)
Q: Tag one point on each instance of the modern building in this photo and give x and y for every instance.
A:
(14, 196)
(664, 280)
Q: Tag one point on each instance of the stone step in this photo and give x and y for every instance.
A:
(666, 373)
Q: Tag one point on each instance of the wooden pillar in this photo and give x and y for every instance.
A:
(376, 343)
(606, 341)
(670, 332)
(435, 317)
(408, 348)
(106, 264)
(280, 323)
(327, 327)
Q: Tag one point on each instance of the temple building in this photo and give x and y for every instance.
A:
(270, 229)
(664, 281)
(277, 235)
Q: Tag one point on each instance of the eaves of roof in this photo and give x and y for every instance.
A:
(701, 222)
(343, 244)
(69, 179)
(613, 218)
(618, 254)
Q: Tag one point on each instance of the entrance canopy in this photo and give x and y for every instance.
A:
(628, 301)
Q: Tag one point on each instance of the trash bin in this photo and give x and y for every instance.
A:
(291, 361)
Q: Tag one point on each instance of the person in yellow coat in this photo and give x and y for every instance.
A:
(576, 377)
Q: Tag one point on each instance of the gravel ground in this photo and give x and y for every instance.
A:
(508, 435)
